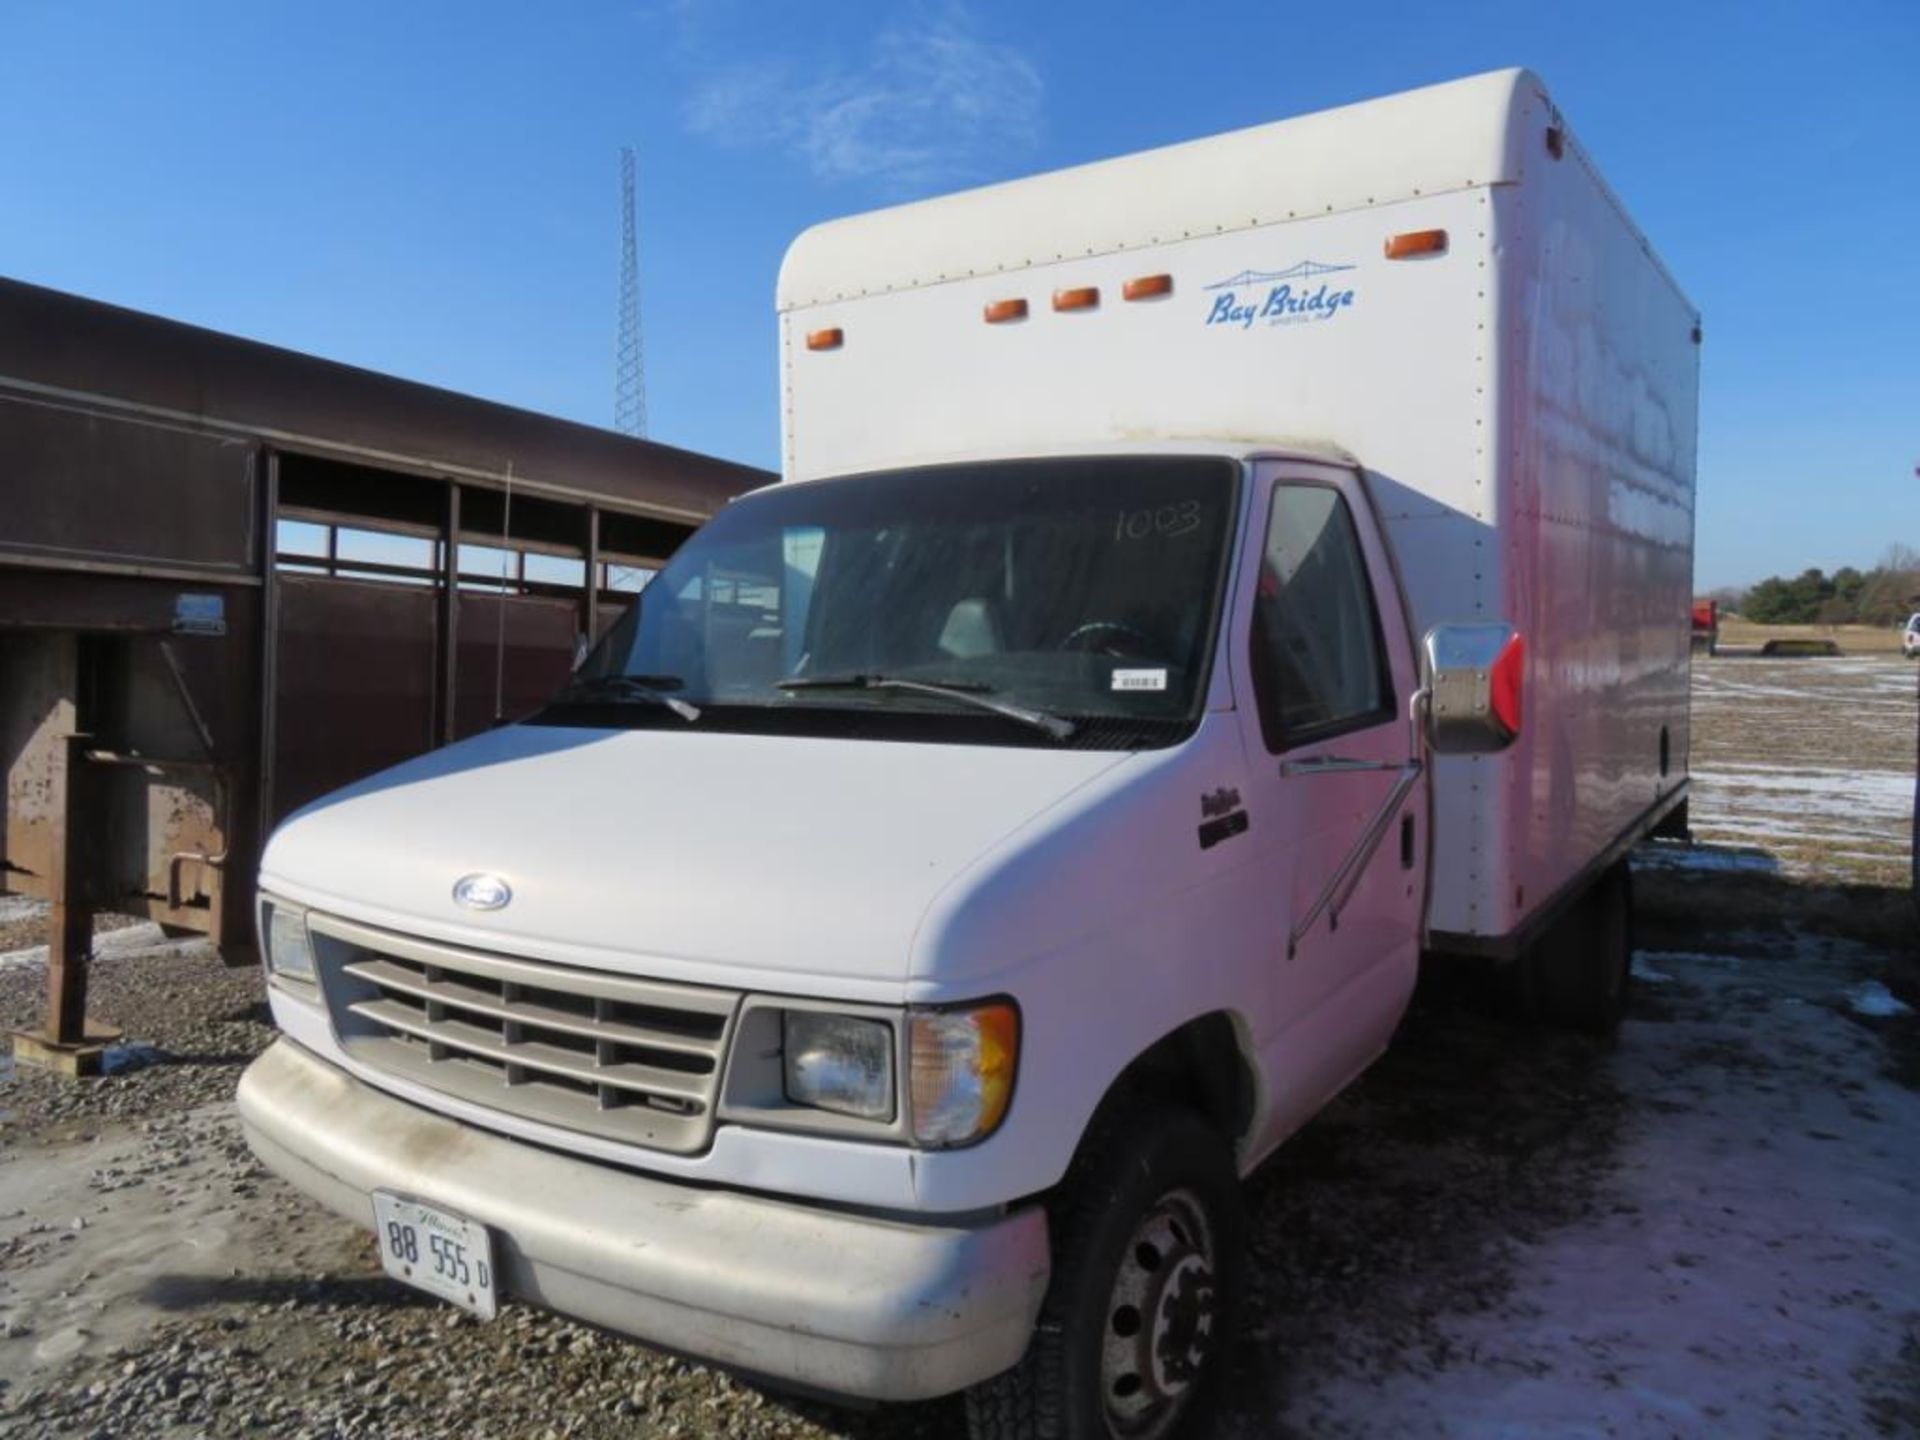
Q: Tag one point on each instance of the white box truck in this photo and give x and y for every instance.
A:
(1203, 583)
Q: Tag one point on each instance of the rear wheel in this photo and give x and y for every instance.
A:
(1579, 974)
(1148, 1239)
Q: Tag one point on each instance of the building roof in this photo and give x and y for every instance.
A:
(56, 345)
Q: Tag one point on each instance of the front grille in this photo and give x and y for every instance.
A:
(631, 1060)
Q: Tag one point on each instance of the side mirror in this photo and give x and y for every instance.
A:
(1473, 678)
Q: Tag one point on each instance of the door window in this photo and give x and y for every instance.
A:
(1318, 663)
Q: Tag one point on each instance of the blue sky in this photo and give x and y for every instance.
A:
(431, 188)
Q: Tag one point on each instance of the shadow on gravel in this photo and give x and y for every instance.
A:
(1401, 1203)
(125, 1059)
(199, 1292)
(213, 1058)
(256, 1013)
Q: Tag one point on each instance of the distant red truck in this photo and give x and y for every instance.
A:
(1706, 626)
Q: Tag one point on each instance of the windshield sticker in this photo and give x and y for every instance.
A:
(1139, 679)
(1292, 296)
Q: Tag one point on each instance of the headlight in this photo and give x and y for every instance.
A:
(289, 951)
(962, 1063)
(839, 1063)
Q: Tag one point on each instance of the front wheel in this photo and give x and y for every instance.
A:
(1148, 1239)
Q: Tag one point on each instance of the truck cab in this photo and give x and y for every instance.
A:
(972, 855)
(946, 796)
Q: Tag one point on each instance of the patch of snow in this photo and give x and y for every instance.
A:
(1675, 959)
(1777, 692)
(1660, 856)
(19, 907)
(1853, 794)
(1817, 818)
(1873, 999)
(1643, 970)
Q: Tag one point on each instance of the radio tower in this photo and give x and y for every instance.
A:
(629, 361)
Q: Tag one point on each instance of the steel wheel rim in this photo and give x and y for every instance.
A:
(1157, 1335)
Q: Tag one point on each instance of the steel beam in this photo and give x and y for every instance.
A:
(447, 691)
(67, 1042)
(590, 592)
(70, 926)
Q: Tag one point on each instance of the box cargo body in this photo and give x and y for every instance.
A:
(1522, 404)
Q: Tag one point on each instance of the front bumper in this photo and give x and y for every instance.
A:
(846, 1303)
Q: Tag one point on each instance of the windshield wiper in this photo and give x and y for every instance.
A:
(966, 691)
(648, 689)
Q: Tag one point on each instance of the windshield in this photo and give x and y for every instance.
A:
(981, 603)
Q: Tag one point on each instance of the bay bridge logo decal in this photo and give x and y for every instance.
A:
(1279, 297)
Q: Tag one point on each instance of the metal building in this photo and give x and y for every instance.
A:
(233, 577)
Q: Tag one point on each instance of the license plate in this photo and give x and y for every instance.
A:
(437, 1251)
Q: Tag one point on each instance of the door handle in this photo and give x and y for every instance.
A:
(1343, 882)
(1333, 765)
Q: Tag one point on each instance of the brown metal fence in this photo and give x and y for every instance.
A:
(233, 579)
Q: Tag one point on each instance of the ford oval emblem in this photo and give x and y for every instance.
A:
(481, 892)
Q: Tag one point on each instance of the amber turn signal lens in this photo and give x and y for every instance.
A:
(1087, 297)
(826, 339)
(1417, 242)
(1147, 287)
(961, 1066)
(1001, 311)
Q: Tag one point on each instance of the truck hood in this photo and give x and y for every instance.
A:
(674, 854)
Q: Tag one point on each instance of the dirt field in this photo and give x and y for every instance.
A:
(1852, 639)
(1810, 761)
(1706, 1227)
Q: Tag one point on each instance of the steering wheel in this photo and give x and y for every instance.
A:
(1107, 637)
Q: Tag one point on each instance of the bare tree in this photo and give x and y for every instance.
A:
(1901, 558)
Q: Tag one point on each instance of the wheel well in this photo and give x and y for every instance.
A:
(1200, 1065)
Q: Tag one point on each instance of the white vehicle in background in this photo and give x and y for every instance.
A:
(1204, 583)
(1910, 640)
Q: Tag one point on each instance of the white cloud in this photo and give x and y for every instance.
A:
(932, 102)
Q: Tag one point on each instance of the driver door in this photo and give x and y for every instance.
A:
(1335, 773)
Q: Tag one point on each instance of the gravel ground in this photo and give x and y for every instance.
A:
(191, 1025)
(1706, 1226)
(23, 924)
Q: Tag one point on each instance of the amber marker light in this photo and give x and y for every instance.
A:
(826, 339)
(1086, 297)
(1001, 311)
(1417, 242)
(1148, 287)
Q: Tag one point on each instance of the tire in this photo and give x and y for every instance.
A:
(1149, 1238)
(1581, 973)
